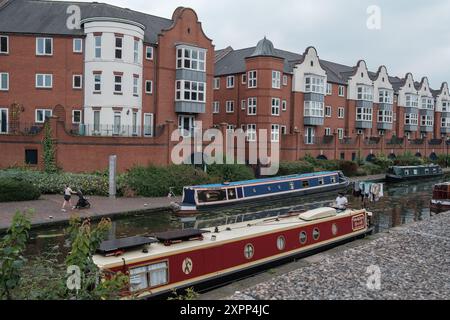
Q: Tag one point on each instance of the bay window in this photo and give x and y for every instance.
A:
(385, 96)
(313, 109)
(445, 122)
(314, 84)
(385, 116)
(445, 106)
(365, 93)
(412, 100)
(190, 91)
(191, 58)
(427, 103)
(412, 119)
(426, 121)
(363, 114)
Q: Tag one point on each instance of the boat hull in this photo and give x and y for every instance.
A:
(438, 206)
(396, 178)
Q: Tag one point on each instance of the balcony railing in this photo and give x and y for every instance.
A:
(108, 130)
(321, 141)
(417, 141)
(395, 141)
(22, 128)
(435, 142)
(372, 141)
(348, 141)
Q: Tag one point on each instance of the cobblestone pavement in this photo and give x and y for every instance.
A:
(413, 260)
(48, 208)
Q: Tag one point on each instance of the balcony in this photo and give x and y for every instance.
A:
(372, 141)
(21, 128)
(320, 141)
(384, 126)
(395, 141)
(435, 142)
(108, 130)
(426, 128)
(417, 142)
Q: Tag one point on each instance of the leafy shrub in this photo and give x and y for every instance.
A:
(383, 162)
(17, 190)
(230, 172)
(296, 167)
(407, 159)
(349, 168)
(155, 181)
(443, 160)
(371, 169)
(53, 183)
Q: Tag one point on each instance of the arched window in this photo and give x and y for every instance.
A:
(281, 243)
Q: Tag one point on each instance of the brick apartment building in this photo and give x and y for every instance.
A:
(121, 81)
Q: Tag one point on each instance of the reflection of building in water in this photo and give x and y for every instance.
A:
(396, 215)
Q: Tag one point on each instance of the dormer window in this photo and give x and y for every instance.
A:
(315, 84)
(385, 96)
(412, 101)
(365, 93)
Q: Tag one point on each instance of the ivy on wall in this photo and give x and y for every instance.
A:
(48, 147)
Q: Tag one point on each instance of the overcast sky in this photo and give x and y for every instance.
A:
(414, 35)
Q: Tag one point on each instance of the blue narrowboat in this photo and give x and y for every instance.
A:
(206, 196)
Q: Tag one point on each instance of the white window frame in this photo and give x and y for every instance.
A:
(98, 47)
(283, 105)
(230, 128)
(427, 103)
(73, 116)
(117, 126)
(216, 83)
(445, 122)
(276, 79)
(147, 50)
(275, 133)
(44, 76)
(314, 84)
(230, 82)
(329, 89)
(252, 79)
(199, 61)
(182, 130)
(6, 129)
(7, 45)
(364, 92)
(191, 88)
(364, 114)
(229, 106)
(75, 40)
(244, 78)
(135, 86)
(97, 124)
(385, 96)
(44, 111)
(151, 86)
(426, 120)
(81, 81)
(97, 80)
(252, 106)
(341, 113)
(44, 39)
(340, 132)
(411, 100)
(310, 133)
(243, 104)
(116, 83)
(328, 114)
(445, 106)
(145, 132)
(411, 119)
(341, 91)
(2, 85)
(328, 131)
(385, 116)
(283, 130)
(251, 132)
(118, 48)
(136, 50)
(313, 109)
(275, 107)
(216, 107)
(285, 80)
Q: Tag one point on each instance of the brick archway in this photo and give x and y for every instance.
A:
(60, 112)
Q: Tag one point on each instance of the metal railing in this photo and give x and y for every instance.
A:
(22, 128)
(109, 130)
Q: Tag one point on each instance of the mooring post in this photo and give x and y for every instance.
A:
(112, 176)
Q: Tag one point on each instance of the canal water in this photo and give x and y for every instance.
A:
(403, 202)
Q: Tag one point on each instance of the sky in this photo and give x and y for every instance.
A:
(404, 35)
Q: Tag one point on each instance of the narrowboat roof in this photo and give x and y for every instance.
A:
(416, 167)
(238, 231)
(265, 180)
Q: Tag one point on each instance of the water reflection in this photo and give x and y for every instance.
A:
(402, 203)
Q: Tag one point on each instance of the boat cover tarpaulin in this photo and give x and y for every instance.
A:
(124, 243)
(179, 234)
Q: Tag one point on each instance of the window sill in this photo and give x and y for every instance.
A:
(42, 88)
(97, 92)
(44, 55)
(4, 53)
(77, 88)
(76, 52)
(149, 93)
(118, 93)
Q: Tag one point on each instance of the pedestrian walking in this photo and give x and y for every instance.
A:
(67, 197)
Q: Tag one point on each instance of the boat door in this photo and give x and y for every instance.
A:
(231, 194)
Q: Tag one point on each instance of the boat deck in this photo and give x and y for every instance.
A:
(241, 230)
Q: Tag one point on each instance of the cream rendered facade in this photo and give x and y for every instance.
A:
(108, 111)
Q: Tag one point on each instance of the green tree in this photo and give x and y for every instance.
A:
(12, 247)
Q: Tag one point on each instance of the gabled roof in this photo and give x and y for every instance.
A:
(49, 17)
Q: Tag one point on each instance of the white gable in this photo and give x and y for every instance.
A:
(382, 82)
(407, 88)
(424, 90)
(444, 95)
(361, 77)
(310, 65)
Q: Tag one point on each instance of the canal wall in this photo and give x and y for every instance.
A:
(407, 262)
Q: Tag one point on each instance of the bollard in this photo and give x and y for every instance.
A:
(112, 176)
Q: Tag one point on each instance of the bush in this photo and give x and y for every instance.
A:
(407, 159)
(17, 190)
(230, 172)
(155, 181)
(53, 183)
(443, 160)
(371, 168)
(296, 167)
(349, 168)
(383, 162)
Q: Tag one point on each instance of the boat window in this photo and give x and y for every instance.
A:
(148, 276)
(303, 237)
(279, 187)
(321, 181)
(249, 251)
(415, 172)
(281, 242)
(291, 185)
(434, 170)
(269, 188)
(427, 171)
(333, 179)
(211, 195)
(254, 190)
(316, 234)
(231, 194)
(334, 229)
(305, 184)
(406, 172)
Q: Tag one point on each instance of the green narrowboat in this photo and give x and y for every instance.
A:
(401, 173)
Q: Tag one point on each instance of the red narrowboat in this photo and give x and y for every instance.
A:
(200, 257)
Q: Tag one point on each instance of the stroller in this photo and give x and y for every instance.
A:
(83, 202)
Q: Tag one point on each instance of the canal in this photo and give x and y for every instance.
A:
(402, 203)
